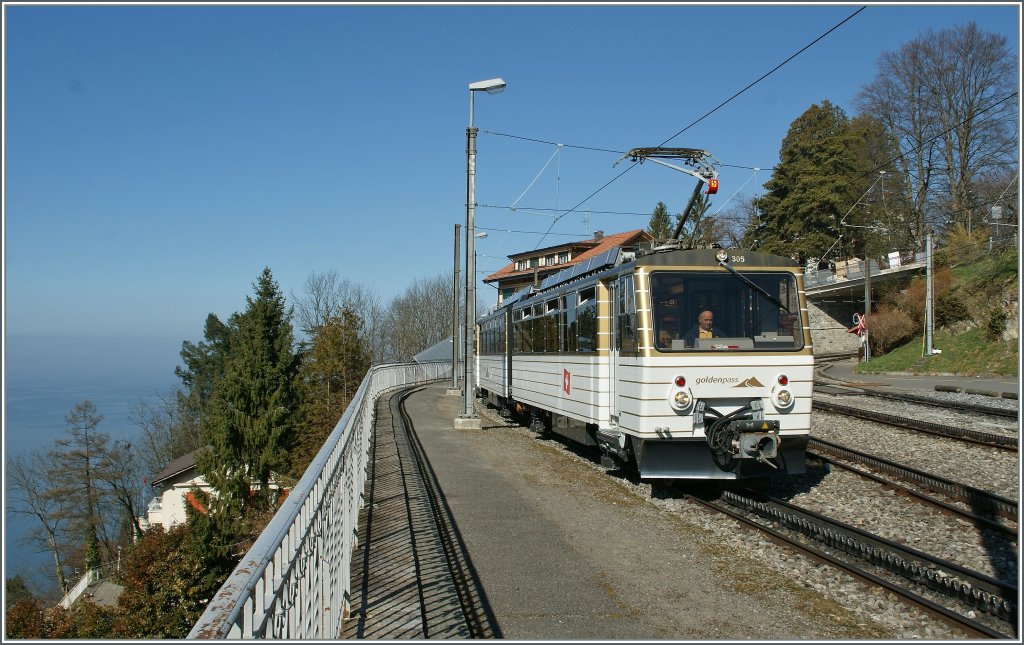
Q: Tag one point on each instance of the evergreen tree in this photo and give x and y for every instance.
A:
(204, 361)
(660, 226)
(248, 420)
(699, 230)
(826, 166)
(15, 591)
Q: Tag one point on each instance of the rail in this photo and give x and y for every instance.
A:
(294, 581)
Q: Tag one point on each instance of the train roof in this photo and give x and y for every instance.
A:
(651, 258)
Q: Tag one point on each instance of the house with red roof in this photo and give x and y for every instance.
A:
(531, 267)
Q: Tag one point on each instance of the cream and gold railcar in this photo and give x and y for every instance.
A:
(609, 354)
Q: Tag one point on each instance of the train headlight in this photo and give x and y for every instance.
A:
(782, 398)
(681, 400)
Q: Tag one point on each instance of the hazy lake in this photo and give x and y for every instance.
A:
(45, 377)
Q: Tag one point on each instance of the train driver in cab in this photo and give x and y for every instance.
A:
(705, 328)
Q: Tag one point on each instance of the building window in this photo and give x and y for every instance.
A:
(563, 257)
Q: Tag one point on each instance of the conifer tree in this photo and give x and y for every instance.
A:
(248, 420)
(660, 226)
(826, 167)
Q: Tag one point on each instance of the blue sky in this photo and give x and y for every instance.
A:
(158, 157)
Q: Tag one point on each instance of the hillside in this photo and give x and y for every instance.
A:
(977, 318)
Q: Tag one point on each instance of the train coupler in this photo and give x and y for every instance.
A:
(746, 439)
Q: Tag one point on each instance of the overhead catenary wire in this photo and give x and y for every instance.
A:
(735, 192)
(705, 115)
(558, 149)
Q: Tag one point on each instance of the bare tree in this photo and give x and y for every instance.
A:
(75, 460)
(29, 479)
(418, 318)
(326, 296)
(170, 429)
(976, 73)
(119, 471)
(899, 97)
(947, 99)
(736, 220)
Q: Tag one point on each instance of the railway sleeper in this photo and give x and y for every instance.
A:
(939, 581)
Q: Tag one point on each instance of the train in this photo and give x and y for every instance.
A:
(607, 353)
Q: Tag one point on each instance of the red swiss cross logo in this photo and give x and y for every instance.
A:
(565, 380)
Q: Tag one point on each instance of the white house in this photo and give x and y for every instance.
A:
(175, 481)
(174, 485)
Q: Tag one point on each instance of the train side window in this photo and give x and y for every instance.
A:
(570, 322)
(551, 326)
(527, 332)
(563, 339)
(586, 318)
(517, 330)
(626, 309)
(539, 328)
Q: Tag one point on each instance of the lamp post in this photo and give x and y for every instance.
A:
(469, 418)
(454, 390)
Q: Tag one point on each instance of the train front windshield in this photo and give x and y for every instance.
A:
(697, 311)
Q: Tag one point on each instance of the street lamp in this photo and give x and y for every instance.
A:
(468, 418)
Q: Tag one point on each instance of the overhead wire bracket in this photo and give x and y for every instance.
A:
(696, 163)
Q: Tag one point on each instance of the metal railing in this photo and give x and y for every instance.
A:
(815, 278)
(294, 581)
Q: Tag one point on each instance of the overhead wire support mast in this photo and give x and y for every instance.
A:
(701, 165)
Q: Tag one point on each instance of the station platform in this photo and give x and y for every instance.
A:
(552, 548)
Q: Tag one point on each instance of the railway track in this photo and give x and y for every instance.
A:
(974, 408)
(943, 589)
(479, 620)
(978, 501)
(1004, 442)
(417, 580)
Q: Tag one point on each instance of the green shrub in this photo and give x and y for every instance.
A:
(950, 308)
(996, 323)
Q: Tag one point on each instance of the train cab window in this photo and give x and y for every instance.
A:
(667, 303)
(715, 311)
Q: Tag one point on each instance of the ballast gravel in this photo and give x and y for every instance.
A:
(876, 510)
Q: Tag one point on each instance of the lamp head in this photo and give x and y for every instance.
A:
(491, 86)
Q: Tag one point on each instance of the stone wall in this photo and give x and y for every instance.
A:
(829, 322)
